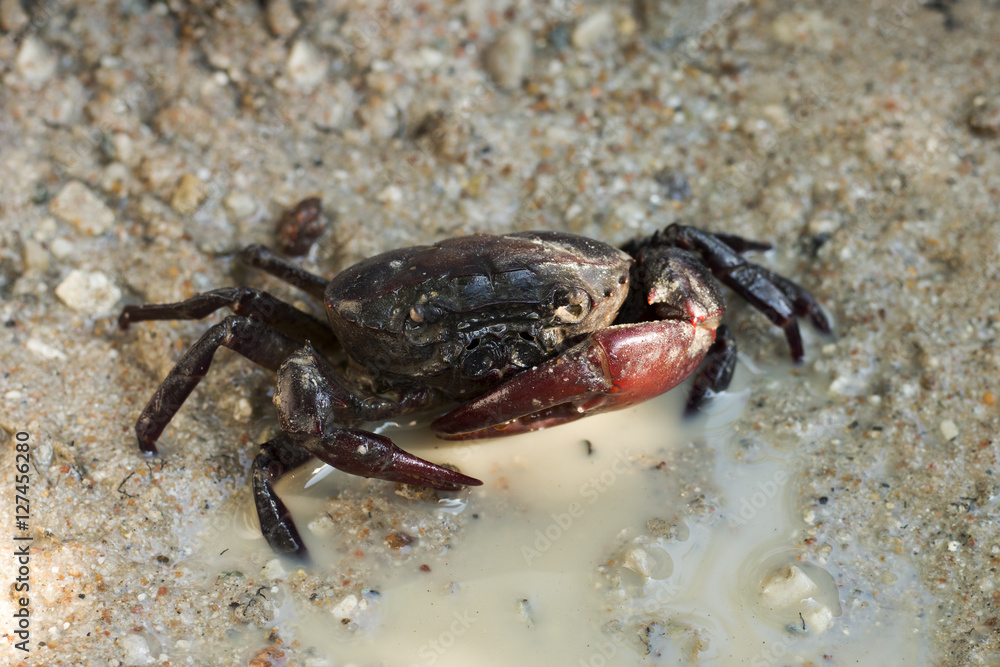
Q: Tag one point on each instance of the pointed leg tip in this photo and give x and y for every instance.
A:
(447, 479)
(299, 556)
(147, 448)
(471, 481)
(822, 323)
(691, 412)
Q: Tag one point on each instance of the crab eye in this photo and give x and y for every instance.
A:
(421, 313)
(571, 304)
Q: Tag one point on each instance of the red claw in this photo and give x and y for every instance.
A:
(611, 369)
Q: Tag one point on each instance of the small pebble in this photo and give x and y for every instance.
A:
(136, 649)
(300, 226)
(809, 29)
(597, 26)
(509, 57)
(243, 410)
(306, 65)
(88, 292)
(12, 15)
(34, 255)
(817, 617)
(949, 430)
(526, 612)
(787, 586)
(985, 116)
(397, 540)
(281, 18)
(429, 58)
(390, 195)
(44, 350)
(639, 561)
(822, 225)
(273, 569)
(189, 195)
(445, 134)
(239, 204)
(80, 207)
(35, 62)
(61, 248)
(345, 607)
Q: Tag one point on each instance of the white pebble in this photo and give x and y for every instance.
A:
(61, 248)
(593, 28)
(34, 255)
(80, 207)
(88, 292)
(281, 18)
(816, 616)
(35, 61)
(508, 58)
(822, 225)
(44, 350)
(306, 65)
(429, 58)
(391, 194)
(240, 204)
(787, 586)
(949, 430)
(273, 569)
(136, 649)
(345, 607)
(243, 410)
(639, 561)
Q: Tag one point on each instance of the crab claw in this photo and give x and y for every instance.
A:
(611, 369)
(367, 454)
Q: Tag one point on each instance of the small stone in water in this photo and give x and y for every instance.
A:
(397, 540)
(788, 586)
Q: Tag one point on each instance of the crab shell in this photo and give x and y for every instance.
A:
(465, 313)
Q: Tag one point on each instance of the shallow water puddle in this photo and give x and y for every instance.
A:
(641, 548)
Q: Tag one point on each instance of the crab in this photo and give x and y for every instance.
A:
(522, 331)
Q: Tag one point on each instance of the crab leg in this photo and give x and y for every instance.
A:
(611, 369)
(262, 258)
(277, 457)
(245, 301)
(716, 373)
(778, 298)
(314, 403)
(352, 451)
(256, 341)
(367, 454)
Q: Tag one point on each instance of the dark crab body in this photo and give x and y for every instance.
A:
(465, 313)
(524, 331)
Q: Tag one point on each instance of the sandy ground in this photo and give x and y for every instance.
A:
(143, 143)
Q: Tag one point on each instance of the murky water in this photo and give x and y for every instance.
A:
(657, 543)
